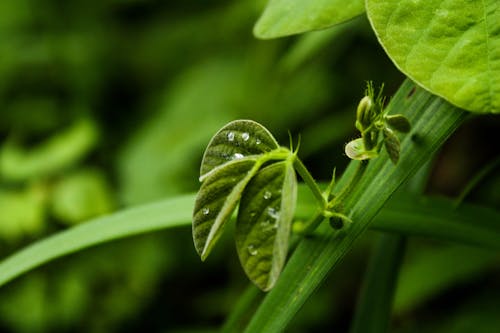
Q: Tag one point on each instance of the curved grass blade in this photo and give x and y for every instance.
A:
(173, 212)
(238, 139)
(264, 221)
(218, 197)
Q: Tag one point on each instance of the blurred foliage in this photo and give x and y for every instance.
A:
(106, 104)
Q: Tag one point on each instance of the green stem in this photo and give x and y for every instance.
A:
(309, 180)
(346, 191)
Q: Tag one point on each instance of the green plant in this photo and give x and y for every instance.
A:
(448, 51)
(243, 164)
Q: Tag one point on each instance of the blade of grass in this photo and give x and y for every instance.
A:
(241, 312)
(375, 303)
(437, 218)
(165, 214)
(432, 272)
(433, 120)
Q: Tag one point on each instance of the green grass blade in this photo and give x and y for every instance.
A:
(374, 306)
(165, 214)
(433, 120)
(437, 218)
(431, 272)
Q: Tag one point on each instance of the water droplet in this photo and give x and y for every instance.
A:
(205, 210)
(265, 223)
(273, 212)
(230, 136)
(252, 250)
(237, 156)
(267, 195)
(257, 141)
(245, 136)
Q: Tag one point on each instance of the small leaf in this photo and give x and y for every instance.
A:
(398, 122)
(264, 223)
(238, 139)
(355, 150)
(215, 202)
(392, 145)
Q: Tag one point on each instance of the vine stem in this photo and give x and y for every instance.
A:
(346, 191)
(309, 180)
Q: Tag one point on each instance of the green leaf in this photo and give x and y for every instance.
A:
(238, 139)
(392, 145)
(264, 222)
(218, 197)
(451, 48)
(18, 163)
(398, 122)
(288, 17)
(355, 150)
(80, 196)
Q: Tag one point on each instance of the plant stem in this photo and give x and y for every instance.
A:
(309, 180)
(346, 191)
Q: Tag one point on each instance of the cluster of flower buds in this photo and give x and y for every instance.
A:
(377, 129)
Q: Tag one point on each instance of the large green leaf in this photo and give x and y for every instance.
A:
(451, 48)
(264, 219)
(288, 17)
(218, 197)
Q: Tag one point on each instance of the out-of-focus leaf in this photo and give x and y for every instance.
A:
(80, 196)
(56, 153)
(22, 213)
(264, 222)
(288, 17)
(451, 48)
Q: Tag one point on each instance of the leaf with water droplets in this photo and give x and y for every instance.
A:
(236, 140)
(219, 195)
(264, 221)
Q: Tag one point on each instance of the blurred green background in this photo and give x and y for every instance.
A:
(108, 104)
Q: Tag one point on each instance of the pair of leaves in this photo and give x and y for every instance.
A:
(451, 48)
(244, 164)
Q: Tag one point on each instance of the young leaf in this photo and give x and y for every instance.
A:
(264, 222)
(355, 150)
(398, 122)
(392, 145)
(218, 197)
(238, 139)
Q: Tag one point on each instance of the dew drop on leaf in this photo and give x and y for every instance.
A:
(273, 212)
(230, 136)
(205, 210)
(245, 136)
(257, 142)
(237, 156)
(252, 250)
(267, 195)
